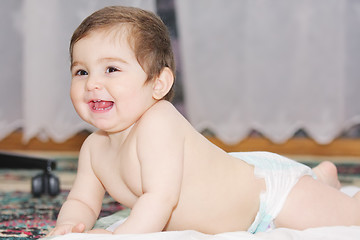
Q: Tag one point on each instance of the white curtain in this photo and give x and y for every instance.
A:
(34, 64)
(273, 66)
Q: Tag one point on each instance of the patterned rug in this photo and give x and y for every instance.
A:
(25, 217)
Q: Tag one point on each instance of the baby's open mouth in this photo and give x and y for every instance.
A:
(101, 105)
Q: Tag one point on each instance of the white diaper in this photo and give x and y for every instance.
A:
(280, 174)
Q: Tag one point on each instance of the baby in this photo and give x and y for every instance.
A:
(150, 159)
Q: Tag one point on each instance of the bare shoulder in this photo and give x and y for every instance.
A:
(93, 141)
(162, 107)
(94, 137)
(162, 123)
(163, 114)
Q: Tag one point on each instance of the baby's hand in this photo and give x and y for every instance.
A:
(67, 228)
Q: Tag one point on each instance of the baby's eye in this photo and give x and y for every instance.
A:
(112, 69)
(81, 72)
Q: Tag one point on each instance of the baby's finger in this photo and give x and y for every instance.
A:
(50, 233)
(56, 232)
(79, 228)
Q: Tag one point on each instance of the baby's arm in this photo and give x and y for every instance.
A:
(81, 209)
(160, 145)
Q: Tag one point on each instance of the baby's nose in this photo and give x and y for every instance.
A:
(93, 84)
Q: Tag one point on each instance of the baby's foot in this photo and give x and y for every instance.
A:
(327, 173)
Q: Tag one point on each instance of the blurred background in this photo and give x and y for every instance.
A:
(259, 73)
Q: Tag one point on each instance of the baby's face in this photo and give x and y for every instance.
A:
(108, 87)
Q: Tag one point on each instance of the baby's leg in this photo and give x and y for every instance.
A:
(312, 203)
(327, 173)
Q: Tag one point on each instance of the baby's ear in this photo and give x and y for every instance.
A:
(163, 83)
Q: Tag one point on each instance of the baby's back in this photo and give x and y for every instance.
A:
(219, 193)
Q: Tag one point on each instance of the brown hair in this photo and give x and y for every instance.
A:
(147, 35)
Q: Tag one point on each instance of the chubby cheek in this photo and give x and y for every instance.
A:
(76, 96)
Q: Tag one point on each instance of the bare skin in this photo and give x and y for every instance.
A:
(149, 158)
